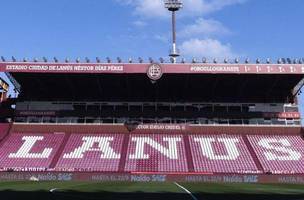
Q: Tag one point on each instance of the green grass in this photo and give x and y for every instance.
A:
(86, 190)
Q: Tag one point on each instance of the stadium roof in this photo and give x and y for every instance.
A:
(184, 82)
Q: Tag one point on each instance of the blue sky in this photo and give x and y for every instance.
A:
(133, 28)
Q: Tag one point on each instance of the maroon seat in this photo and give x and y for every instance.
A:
(29, 151)
(156, 153)
(98, 152)
(221, 153)
(279, 154)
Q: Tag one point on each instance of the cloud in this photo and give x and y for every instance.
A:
(155, 8)
(204, 7)
(204, 27)
(209, 48)
(147, 8)
(139, 23)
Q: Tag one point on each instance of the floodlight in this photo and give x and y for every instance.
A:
(204, 60)
(258, 61)
(14, 59)
(183, 60)
(236, 60)
(289, 61)
(130, 60)
(194, 60)
(55, 60)
(268, 61)
(35, 59)
(2, 59)
(44, 59)
(225, 60)
(173, 6)
(301, 61)
(78, 60)
(284, 61)
(87, 60)
(214, 60)
(279, 61)
(151, 60)
(172, 59)
(247, 60)
(108, 59)
(97, 59)
(161, 60)
(67, 60)
(119, 60)
(24, 59)
(140, 60)
(295, 61)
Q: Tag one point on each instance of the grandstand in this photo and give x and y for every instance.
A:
(191, 122)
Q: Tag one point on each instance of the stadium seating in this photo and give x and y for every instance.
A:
(223, 154)
(156, 153)
(164, 153)
(29, 151)
(99, 152)
(279, 154)
(3, 130)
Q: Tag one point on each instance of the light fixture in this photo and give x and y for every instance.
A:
(289, 61)
(295, 61)
(55, 60)
(268, 61)
(130, 60)
(119, 60)
(2, 59)
(78, 60)
(44, 59)
(183, 60)
(172, 60)
(258, 61)
(108, 60)
(236, 60)
(193, 60)
(67, 60)
(24, 59)
(35, 59)
(225, 60)
(173, 6)
(161, 60)
(284, 61)
(87, 60)
(14, 59)
(204, 60)
(214, 60)
(140, 60)
(151, 60)
(247, 60)
(97, 59)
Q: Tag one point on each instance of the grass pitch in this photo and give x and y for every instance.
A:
(111, 191)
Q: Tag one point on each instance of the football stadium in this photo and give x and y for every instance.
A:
(151, 129)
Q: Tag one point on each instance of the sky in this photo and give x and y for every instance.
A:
(141, 28)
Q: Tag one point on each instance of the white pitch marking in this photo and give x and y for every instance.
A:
(53, 190)
(187, 191)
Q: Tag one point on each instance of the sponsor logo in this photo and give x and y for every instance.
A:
(154, 72)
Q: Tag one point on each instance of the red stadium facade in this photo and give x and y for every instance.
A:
(193, 122)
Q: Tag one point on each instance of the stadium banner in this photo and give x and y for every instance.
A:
(157, 128)
(151, 177)
(143, 68)
(283, 115)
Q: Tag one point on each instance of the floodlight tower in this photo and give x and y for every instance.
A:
(173, 6)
